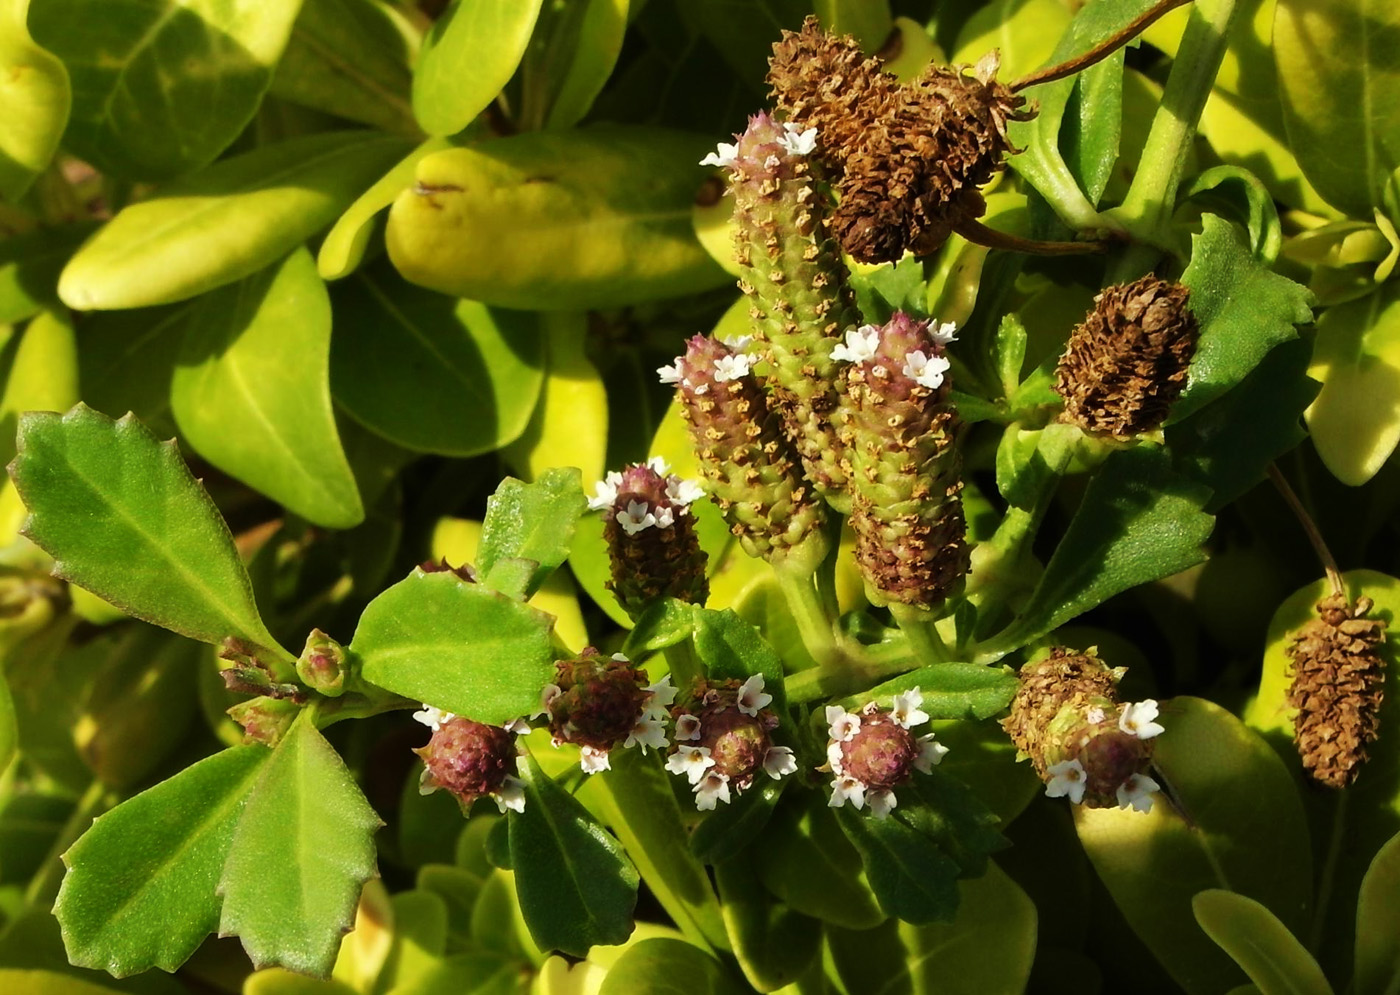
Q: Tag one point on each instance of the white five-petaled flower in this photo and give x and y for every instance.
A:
(732, 367)
(684, 491)
(737, 342)
(593, 760)
(861, 344)
(432, 717)
(510, 795)
(944, 333)
(663, 692)
(687, 728)
(906, 711)
(1137, 792)
(605, 492)
(517, 726)
(931, 754)
(778, 762)
(725, 156)
(796, 141)
(847, 789)
(692, 761)
(1094, 715)
(926, 371)
(710, 789)
(1067, 779)
(636, 518)
(1139, 719)
(648, 731)
(670, 374)
(841, 724)
(752, 697)
(659, 464)
(665, 518)
(882, 803)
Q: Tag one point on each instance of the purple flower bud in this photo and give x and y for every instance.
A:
(598, 700)
(470, 759)
(651, 538)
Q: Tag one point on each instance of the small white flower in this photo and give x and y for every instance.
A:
(620, 658)
(711, 788)
(1067, 778)
(659, 464)
(725, 156)
(1094, 715)
(798, 142)
(841, 724)
(931, 754)
(593, 760)
(662, 692)
(670, 374)
(518, 726)
(687, 728)
(732, 367)
(648, 731)
(665, 518)
(432, 717)
(605, 492)
(510, 795)
(861, 345)
(692, 761)
(683, 491)
(847, 789)
(906, 711)
(547, 695)
(1138, 719)
(737, 342)
(835, 757)
(636, 518)
(752, 697)
(778, 762)
(882, 803)
(1137, 791)
(925, 371)
(945, 333)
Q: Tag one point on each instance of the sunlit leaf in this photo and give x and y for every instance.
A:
(40, 370)
(1261, 945)
(532, 522)
(36, 95)
(664, 966)
(1378, 923)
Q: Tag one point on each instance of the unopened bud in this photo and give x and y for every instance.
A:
(723, 740)
(470, 760)
(265, 720)
(874, 751)
(322, 665)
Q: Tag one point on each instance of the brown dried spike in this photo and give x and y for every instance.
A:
(1338, 683)
(1046, 686)
(1126, 362)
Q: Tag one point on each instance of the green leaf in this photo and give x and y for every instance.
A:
(989, 945)
(1234, 791)
(1242, 194)
(139, 892)
(420, 939)
(743, 32)
(1139, 521)
(307, 813)
(912, 880)
(257, 355)
(431, 373)
(727, 831)
(666, 623)
(476, 973)
(36, 97)
(40, 369)
(15, 981)
(576, 886)
(161, 87)
(663, 966)
(9, 736)
(579, 219)
(1355, 421)
(126, 361)
(1378, 923)
(947, 811)
(1339, 76)
(807, 862)
(1093, 126)
(276, 981)
(533, 522)
(225, 222)
(1261, 945)
(1229, 445)
(349, 58)
(1243, 309)
(29, 268)
(773, 944)
(121, 515)
(733, 649)
(467, 59)
(570, 58)
(950, 690)
(867, 21)
(458, 646)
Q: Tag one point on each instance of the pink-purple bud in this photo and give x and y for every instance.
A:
(651, 538)
(595, 700)
(468, 760)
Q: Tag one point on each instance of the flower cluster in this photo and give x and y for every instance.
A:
(599, 703)
(723, 740)
(471, 760)
(874, 751)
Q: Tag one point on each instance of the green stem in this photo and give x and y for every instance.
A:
(814, 625)
(870, 669)
(1325, 880)
(1151, 199)
(43, 886)
(924, 639)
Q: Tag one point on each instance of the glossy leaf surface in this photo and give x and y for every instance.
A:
(140, 888)
(122, 516)
(160, 86)
(36, 95)
(913, 881)
(1261, 945)
(40, 368)
(256, 354)
(456, 645)
(306, 807)
(533, 522)
(663, 966)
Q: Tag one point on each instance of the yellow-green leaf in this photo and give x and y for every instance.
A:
(1378, 925)
(35, 94)
(1252, 935)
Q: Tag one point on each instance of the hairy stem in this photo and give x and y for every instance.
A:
(924, 639)
(814, 624)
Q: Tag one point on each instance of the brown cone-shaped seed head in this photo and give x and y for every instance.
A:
(1127, 362)
(1338, 683)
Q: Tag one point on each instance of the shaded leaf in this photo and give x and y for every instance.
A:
(1239, 192)
(773, 944)
(159, 86)
(37, 98)
(730, 829)
(912, 880)
(1261, 945)
(1378, 923)
(126, 360)
(9, 736)
(15, 981)
(732, 649)
(458, 646)
(807, 862)
(570, 59)
(140, 887)
(950, 690)
(306, 812)
(29, 268)
(533, 522)
(121, 515)
(576, 886)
